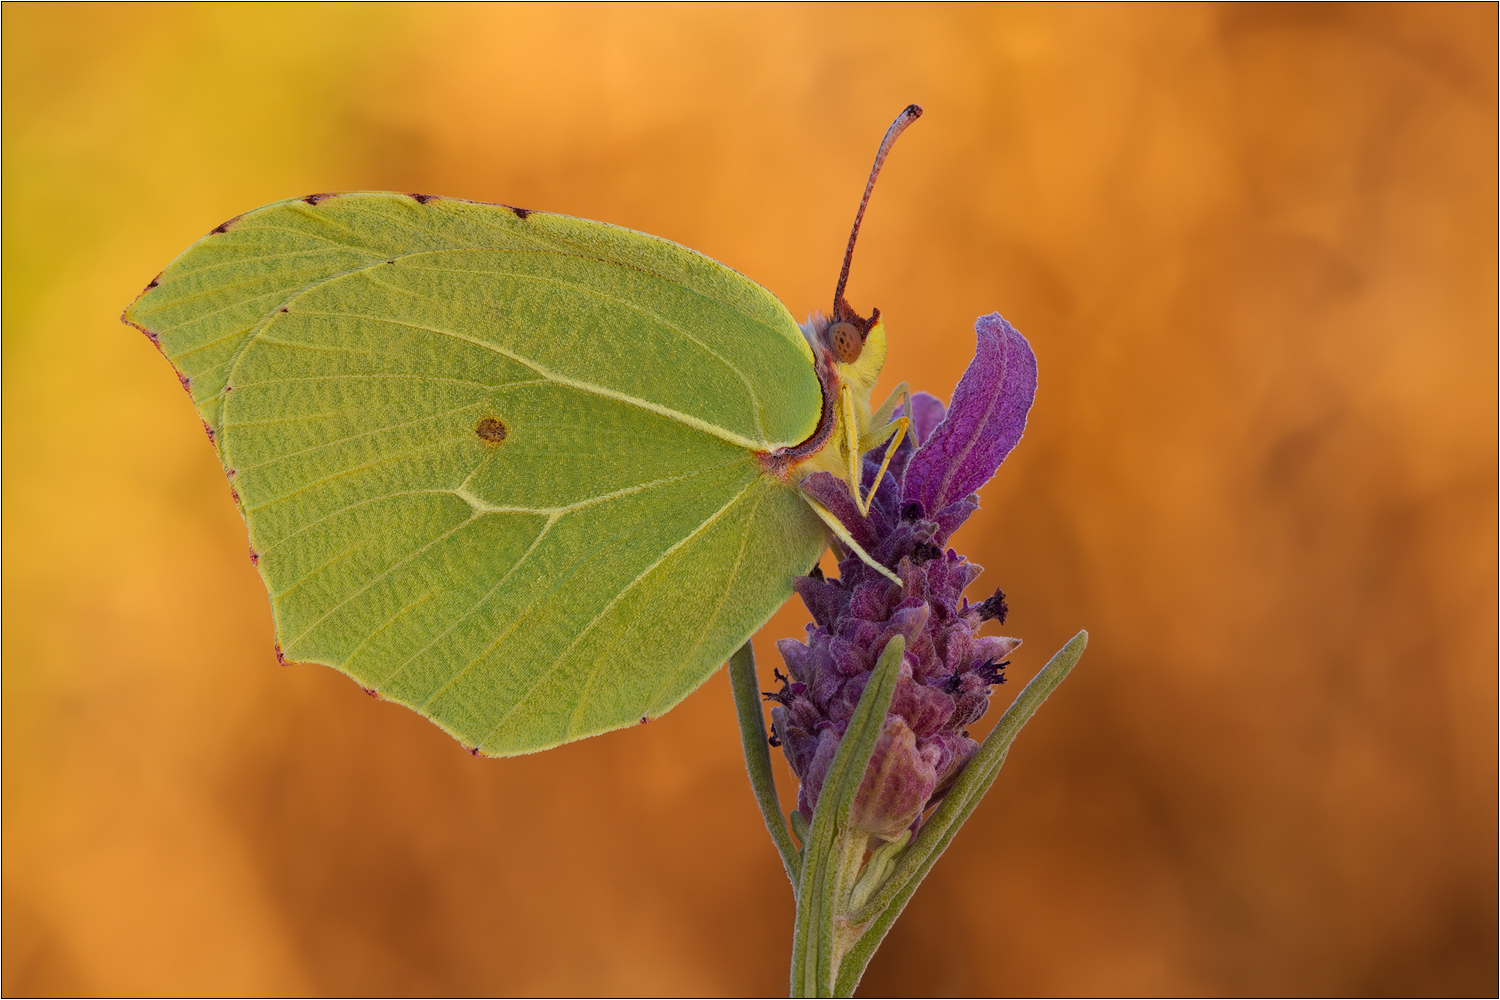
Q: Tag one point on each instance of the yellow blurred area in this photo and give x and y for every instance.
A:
(1255, 251)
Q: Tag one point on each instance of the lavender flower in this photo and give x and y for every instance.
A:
(948, 669)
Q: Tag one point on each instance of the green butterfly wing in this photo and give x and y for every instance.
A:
(499, 466)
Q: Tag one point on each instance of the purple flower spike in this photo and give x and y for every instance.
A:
(984, 424)
(948, 668)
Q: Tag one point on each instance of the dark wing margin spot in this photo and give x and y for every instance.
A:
(313, 199)
(422, 199)
(223, 227)
(520, 213)
(154, 282)
(491, 430)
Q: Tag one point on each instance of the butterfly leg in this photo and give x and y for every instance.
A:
(882, 416)
(842, 534)
(851, 447)
(886, 429)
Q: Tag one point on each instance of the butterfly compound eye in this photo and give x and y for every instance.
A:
(845, 342)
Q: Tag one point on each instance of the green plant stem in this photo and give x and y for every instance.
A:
(758, 758)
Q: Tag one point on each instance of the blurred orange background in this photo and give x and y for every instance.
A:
(1255, 250)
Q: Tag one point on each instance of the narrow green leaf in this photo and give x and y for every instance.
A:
(938, 832)
(758, 757)
(800, 829)
(827, 855)
(882, 860)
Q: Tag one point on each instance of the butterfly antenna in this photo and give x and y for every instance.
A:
(905, 118)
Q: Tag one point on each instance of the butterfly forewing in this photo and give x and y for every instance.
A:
(498, 466)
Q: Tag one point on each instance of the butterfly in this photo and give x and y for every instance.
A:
(533, 476)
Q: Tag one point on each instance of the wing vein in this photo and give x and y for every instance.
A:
(377, 578)
(696, 532)
(427, 418)
(686, 419)
(546, 528)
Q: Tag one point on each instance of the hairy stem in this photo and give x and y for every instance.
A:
(758, 758)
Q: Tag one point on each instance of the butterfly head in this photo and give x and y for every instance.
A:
(857, 347)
